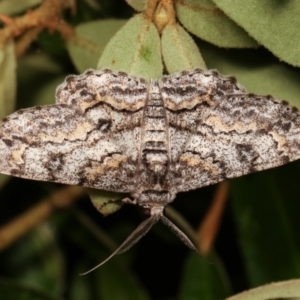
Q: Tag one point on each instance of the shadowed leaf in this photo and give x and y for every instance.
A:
(265, 207)
(128, 287)
(203, 280)
(10, 290)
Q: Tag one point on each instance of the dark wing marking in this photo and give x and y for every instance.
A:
(117, 89)
(188, 89)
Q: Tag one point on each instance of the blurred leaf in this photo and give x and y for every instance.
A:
(202, 279)
(37, 63)
(3, 179)
(205, 20)
(10, 290)
(53, 44)
(138, 5)
(259, 73)
(45, 95)
(94, 4)
(10, 7)
(111, 281)
(81, 287)
(274, 24)
(35, 261)
(134, 49)
(266, 209)
(38, 76)
(117, 283)
(179, 50)
(106, 202)
(91, 38)
(285, 289)
(7, 78)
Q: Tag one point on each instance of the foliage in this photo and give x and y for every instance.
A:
(257, 242)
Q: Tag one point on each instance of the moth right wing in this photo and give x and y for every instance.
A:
(218, 131)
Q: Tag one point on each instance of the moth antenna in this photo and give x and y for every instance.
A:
(182, 236)
(132, 239)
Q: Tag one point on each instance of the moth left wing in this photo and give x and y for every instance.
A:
(90, 137)
(58, 143)
(228, 135)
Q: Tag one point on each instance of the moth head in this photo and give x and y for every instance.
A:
(156, 214)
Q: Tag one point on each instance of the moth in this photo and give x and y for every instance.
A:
(151, 139)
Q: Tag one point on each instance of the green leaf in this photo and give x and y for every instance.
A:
(91, 38)
(3, 179)
(266, 209)
(134, 49)
(209, 23)
(257, 72)
(127, 285)
(179, 50)
(7, 78)
(138, 5)
(81, 287)
(111, 281)
(10, 7)
(10, 290)
(106, 202)
(41, 261)
(285, 289)
(203, 280)
(274, 24)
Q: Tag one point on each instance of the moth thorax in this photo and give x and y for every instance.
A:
(156, 162)
(152, 198)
